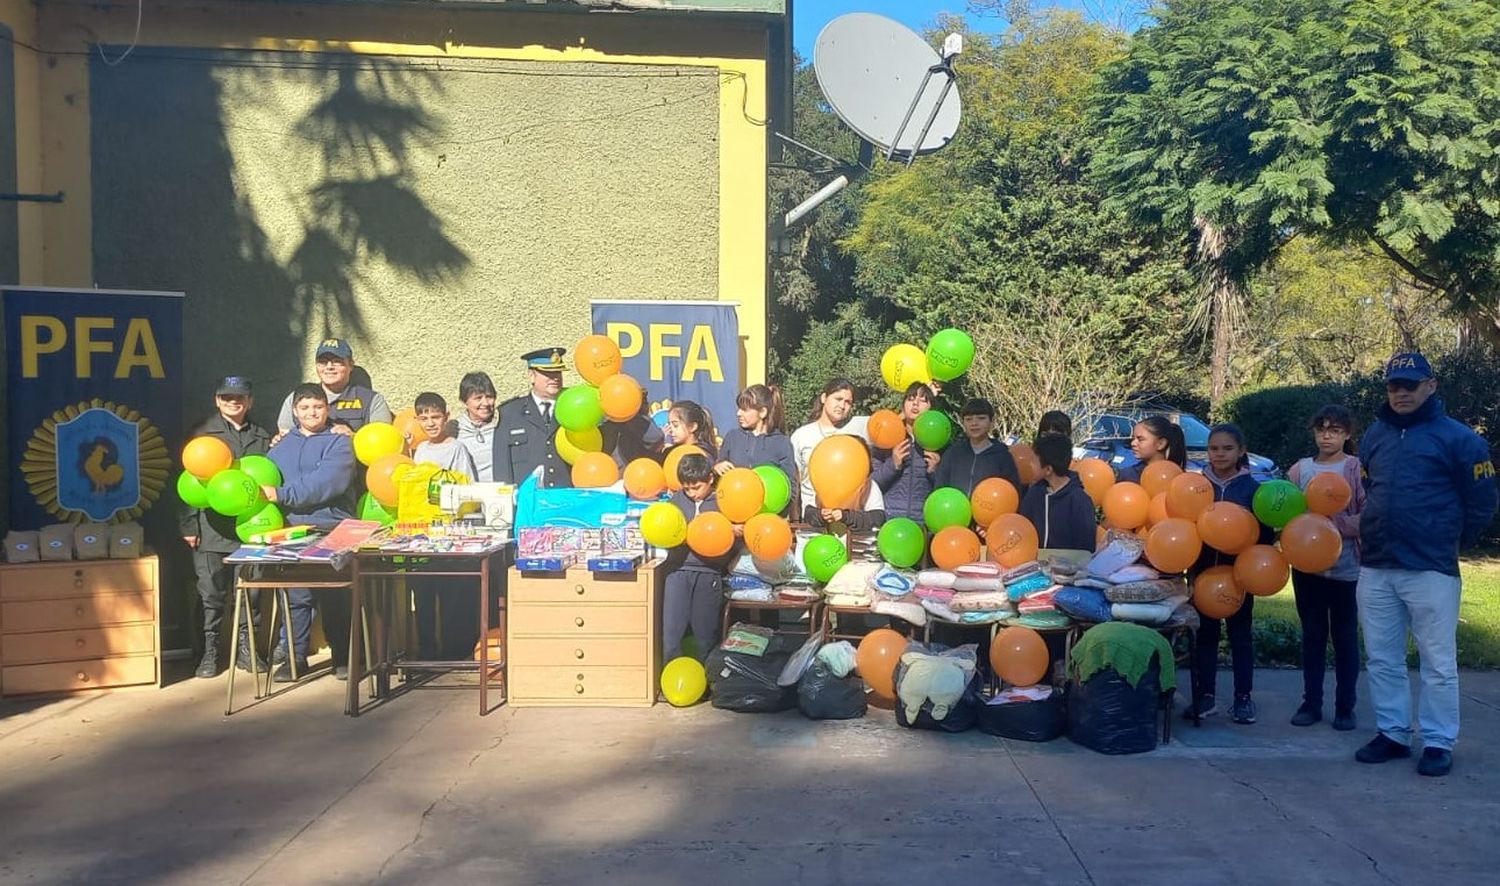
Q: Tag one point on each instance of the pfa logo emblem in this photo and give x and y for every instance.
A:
(98, 464)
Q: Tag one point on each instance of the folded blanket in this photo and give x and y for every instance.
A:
(981, 618)
(980, 570)
(847, 599)
(993, 583)
(939, 609)
(907, 611)
(893, 581)
(1096, 583)
(1037, 581)
(797, 593)
(1040, 620)
(1142, 613)
(753, 595)
(1084, 604)
(980, 601)
(1134, 572)
(936, 578)
(1120, 551)
(941, 594)
(1142, 591)
(739, 582)
(1021, 571)
(1039, 602)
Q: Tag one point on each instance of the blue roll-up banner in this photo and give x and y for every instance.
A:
(94, 391)
(678, 350)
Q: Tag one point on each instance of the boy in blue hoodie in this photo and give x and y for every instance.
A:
(317, 489)
(1058, 505)
(694, 585)
(979, 456)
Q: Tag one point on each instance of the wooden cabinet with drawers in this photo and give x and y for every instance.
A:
(579, 638)
(73, 625)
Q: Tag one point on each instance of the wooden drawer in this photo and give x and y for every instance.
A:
(77, 579)
(71, 676)
(78, 612)
(81, 644)
(558, 619)
(580, 587)
(580, 685)
(590, 651)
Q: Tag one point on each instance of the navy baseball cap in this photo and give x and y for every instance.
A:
(1408, 366)
(233, 385)
(335, 347)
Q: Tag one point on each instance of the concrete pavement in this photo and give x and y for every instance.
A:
(159, 787)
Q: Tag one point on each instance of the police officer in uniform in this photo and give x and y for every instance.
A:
(525, 439)
(350, 406)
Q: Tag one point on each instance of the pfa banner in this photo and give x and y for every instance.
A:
(678, 350)
(94, 391)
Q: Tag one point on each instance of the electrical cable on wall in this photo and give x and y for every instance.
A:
(140, 6)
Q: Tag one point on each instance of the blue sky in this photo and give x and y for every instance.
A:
(811, 15)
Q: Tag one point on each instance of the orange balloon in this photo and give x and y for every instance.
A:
(597, 357)
(741, 493)
(1018, 655)
(1215, 594)
(1311, 543)
(1227, 527)
(710, 534)
(644, 479)
(1027, 464)
(768, 536)
(886, 429)
(409, 428)
(1327, 494)
(1188, 495)
(1126, 505)
(954, 546)
(1097, 477)
(992, 498)
(1012, 540)
(1261, 570)
(1157, 512)
(838, 469)
(1158, 475)
(380, 481)
(674, 457)
(1173, 545)
(621, 397)
(878, 654)
(205, 456)
(595, 470)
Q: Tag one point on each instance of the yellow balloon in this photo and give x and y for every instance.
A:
(571, 444)
(683, 681)
(376, 440)
(663, 526)
(902, 365)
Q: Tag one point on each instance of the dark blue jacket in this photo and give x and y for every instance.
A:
(317, 477)
(1063, 519)
(1430, 489)
(1239, 490)
(963, 468)
(682, 556)
(905, 488)
(746, 450)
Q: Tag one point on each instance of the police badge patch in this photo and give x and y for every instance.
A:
(95, 461)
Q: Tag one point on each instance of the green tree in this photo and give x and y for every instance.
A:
(1230, 127)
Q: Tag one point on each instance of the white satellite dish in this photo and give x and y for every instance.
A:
(889, 86)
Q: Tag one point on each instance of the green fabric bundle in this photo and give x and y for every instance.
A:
(1128, 648)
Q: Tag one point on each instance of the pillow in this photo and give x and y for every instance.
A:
(893, 581)
(1084, 604)
(936, 578)
(852, 579)
(1141, 591)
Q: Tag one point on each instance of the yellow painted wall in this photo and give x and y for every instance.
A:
(735, 50)
(21, 17)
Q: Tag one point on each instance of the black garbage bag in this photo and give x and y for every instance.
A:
(1107, 714)
(1027, 720)
(960, 716)
(745, 682)
(823, 695)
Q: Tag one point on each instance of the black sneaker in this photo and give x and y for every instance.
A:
(284, 672)
(1344, 721)
(1307, 715)
(1382, 749)
(1435, 762)
(242, 659)
(1243, 711)
(1206, 707)
(278, 655)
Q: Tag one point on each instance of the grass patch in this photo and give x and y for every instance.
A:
(1278, 631)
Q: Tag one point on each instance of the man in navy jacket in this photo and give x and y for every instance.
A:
(1430, 491)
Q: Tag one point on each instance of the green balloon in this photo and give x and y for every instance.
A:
(901, 542)
(261, 469)
(824, 556)
(778, 488)
(949, 354)
(946, 507)
(578, 408)
(1277, 502)
(370, 509)
(933, 430)
(192, 491)
(233, 492)
(267, 518)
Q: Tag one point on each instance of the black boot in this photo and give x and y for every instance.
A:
(208, 668)
(242, 656)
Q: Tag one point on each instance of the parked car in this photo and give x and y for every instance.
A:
(1108, 439)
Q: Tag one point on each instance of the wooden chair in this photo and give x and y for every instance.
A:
(811, 607)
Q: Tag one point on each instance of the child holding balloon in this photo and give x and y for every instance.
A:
(904, 472)
(1326, 600)
(694, 584)
(760, 438)
(1155, 438)
(832, 413)
(1229, 474)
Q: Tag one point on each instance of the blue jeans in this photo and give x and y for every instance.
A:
(1391, 602)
